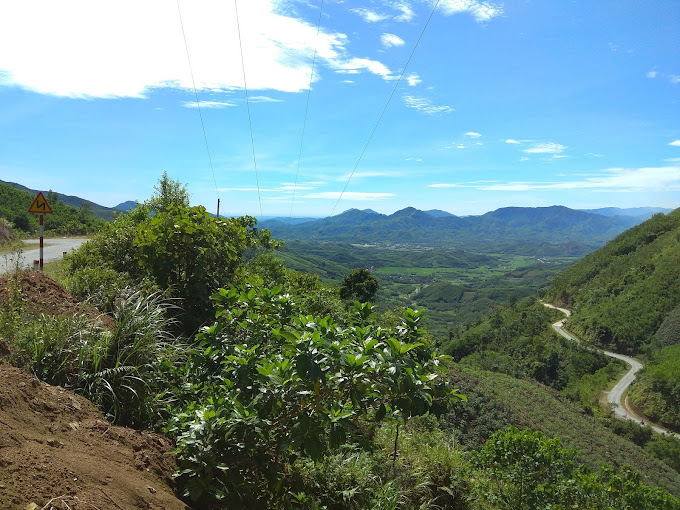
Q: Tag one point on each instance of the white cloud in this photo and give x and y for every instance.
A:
(391, 40)
(425, 105)
(614, 179)
(652, 74)
(207, 104)
(594, 155)
(481, 11)
(355, 65)
(413, 79)
(285, 187)
(546, 148)
(675, 143)
(674, 78)
(414, 159)
(472, 134)
(510, 140)
(524, 158)
(75, 48)
(349, 195)
(672, 160)
(407, 13)
(264, 99)
(559, 156)
(445, 185)
(375, 173)
(369, 16)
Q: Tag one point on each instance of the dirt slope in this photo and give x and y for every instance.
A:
(54, 444)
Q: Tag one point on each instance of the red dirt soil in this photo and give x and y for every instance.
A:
(57, 452)
(42, 295)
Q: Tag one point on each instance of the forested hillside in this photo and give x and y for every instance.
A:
(504, 229)
(621, 293)
(64, 220)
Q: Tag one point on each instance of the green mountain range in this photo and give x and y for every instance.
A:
(505, 229)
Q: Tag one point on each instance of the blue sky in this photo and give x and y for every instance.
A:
(526, 103)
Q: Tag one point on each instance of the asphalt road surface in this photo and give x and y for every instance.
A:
(54, 250)
(616, 396)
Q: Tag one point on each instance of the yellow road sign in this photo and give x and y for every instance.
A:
(40, 205)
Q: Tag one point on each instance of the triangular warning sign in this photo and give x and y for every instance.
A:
(40, 205)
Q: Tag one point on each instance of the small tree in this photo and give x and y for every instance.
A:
(168, 192)
(361, 285)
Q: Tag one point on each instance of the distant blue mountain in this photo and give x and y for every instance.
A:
(645, 212)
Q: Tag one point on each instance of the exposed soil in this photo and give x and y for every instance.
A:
(57, 452)
(6, 234)
(42, 295)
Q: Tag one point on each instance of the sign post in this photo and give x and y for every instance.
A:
(41, 207)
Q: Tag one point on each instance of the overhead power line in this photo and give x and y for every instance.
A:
(396, 85)
(304, 123)
(250, 120)
(198, 104)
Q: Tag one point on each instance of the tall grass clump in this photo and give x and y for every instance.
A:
(122, 370)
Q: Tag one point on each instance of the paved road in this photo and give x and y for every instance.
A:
(615, 396)
(54, 251)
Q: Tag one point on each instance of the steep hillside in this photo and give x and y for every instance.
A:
(498, 229)
(496, 401)
(621, 293)
(65, 219)
(98, 211)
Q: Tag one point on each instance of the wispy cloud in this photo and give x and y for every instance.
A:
(674, 78)
(510, 140)
(264, 99)
(546, 148)
(613, 180)
(207, 104)
(524, 158)
(349, 195)
(675, 143)
(472, 134)
(369, 16)
(652, 74)
(391, 40)
(285, 187)
(481, 11)
(414, 159)
(355, 65)
(406, 13)
(375, 173)
(424, 105)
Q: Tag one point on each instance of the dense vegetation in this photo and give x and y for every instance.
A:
(454, 287)
(519, 341)
(657, 387)
(280, 394)
(64, 220)
(537, 230)
(621, 293)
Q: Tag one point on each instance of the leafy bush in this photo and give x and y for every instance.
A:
(265, 387)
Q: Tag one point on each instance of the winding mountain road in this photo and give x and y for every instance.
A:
(616, 395)
(54, 250)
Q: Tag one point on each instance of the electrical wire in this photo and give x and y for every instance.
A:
(198, 103)
(304, 123)
(385, 108)
(250, 120)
